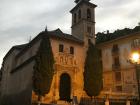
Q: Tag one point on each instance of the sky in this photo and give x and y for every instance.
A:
(22, 19)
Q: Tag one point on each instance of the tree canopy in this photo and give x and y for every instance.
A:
(103, 37)
(43, 68)
(93, 71)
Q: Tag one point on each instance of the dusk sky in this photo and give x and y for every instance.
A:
(20, 19)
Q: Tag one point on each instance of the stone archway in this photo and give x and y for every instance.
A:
(65, 87)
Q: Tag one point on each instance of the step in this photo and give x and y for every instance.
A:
(60, 102)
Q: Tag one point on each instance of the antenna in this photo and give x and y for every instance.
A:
(46, 30)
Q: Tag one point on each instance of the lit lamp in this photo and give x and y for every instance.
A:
(135, 59)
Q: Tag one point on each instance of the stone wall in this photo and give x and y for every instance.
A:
(127, 70)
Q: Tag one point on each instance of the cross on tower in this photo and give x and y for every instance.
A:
(77, 1)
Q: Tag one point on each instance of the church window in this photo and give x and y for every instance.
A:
(61, 47)
(88, 14)
(79, 14)
(89, 29)
(119, 88)
(75, 18)
(71, 50)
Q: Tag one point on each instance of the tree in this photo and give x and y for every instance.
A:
(93, 71)
(43, 68)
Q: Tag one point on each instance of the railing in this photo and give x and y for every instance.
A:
(116, 66)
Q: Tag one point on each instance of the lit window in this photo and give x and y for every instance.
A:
(71, 50)
(61, 47)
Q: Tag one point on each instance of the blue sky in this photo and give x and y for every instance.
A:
(20, 19)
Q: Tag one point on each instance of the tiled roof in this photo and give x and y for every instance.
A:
(77, 1)
(59, 34)
(81, 2)
(54, 34)
(119, 38)
(18, 47)
(102, 37)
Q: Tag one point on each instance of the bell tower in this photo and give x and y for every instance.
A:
(83, 20)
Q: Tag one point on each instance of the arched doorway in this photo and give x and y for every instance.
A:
(65, 87)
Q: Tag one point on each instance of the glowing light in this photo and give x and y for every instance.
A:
(135, 57)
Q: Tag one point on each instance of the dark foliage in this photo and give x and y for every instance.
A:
(93, 71)
(43, 68)
(103, 37)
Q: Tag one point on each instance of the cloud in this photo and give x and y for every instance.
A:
(21, 19)
(117, 14)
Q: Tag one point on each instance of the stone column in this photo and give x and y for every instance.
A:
(107, 102)
(128, 102)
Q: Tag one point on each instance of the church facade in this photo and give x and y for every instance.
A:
(119, 77)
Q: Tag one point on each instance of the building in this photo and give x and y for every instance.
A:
(69, 53)
(119, 74)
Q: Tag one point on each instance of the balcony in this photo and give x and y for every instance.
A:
(116, 67)
(115, 51)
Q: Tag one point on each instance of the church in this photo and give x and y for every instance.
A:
(119, 76)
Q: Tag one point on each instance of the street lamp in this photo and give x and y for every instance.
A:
(135, 59)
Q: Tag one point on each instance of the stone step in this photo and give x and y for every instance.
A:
(63, 103)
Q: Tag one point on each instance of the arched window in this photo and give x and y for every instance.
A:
(79, 14)
(71, 50)
(75, 18)
(88, 14)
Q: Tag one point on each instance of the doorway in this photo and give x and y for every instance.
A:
(65, 87)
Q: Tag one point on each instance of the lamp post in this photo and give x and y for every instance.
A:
(135, 59)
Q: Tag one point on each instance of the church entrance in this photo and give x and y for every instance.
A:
(65, 87)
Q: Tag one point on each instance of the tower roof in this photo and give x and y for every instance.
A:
(80, 2)
(77, 1)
